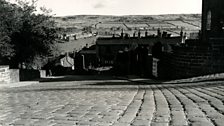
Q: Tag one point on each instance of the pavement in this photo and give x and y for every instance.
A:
(18, 84)
(211, 77)
(113, 102)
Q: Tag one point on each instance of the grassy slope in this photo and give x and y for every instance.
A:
(75, 45)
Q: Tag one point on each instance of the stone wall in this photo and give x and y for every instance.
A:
(4, 74)
(193, 59)
(14, 75)
(217, 46)
(8, 75)
(186, 62)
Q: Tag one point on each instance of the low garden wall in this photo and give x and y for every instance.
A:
(193, 59)
(15, 75)
(4, 74)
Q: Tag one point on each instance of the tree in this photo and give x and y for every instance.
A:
(31, 35)
(8, 25)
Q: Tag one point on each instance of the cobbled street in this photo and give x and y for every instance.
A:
(113, 103)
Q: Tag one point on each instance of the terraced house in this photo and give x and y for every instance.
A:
(131, 55)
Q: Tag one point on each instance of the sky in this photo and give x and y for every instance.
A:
(121, 7)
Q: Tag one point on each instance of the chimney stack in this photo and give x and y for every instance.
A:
(164, 35)
(122, 33)
(159, 33)
(139, 34)
(134, 35)
(181, 32)
(146, 33)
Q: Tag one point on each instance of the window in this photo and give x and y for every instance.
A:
(209, 20)
(222, 19)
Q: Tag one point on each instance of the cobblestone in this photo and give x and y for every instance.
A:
(118, 104)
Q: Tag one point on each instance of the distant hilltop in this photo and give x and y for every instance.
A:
(108, 24)
(130, 18)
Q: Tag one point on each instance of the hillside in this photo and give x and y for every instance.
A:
(92, 19)
(171, 23)
(85, 26)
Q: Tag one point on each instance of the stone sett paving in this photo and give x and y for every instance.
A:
(118, 104)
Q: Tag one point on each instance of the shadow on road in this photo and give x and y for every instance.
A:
(101, 82)
(109, 86)
(75, 78)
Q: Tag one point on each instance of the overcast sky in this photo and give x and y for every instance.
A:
(121, 7)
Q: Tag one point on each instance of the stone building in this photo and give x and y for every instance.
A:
(201, 56)
(212, 19)
(108, 48)
(213, 33)
(132, 55)
(85, 60)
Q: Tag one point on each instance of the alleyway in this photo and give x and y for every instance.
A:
(113, 103)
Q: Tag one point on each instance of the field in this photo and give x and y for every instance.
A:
(106, 26)
(172, 27)
(183, 24)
